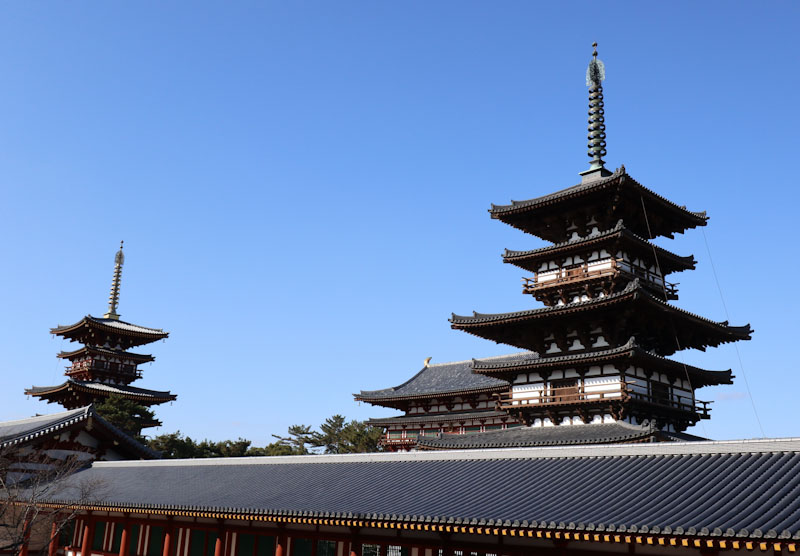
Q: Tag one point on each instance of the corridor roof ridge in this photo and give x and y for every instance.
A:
(711, 447)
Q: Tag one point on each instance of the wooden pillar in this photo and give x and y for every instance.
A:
(219, 544)
(280, 545)
(52, 548)
(169, 532)
(26, 537)
(88, 535)
(124, 541)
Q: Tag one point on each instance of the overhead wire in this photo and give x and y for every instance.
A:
(735, 346)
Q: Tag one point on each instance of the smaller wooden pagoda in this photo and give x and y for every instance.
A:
(103, 366)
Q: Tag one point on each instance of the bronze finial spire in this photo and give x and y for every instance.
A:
(113, 299)
(595, 74)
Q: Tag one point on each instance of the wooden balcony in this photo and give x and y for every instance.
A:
(602, 269)
(387, 442)
(579, 396)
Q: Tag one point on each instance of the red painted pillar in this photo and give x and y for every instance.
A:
(52, 548)
(219, 544)
(168, 534)
(280, 545)
(26, 537)
(88, 535)
(124, 541)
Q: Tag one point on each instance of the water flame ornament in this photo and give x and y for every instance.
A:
(595, 75)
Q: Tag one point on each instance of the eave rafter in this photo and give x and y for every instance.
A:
(620, 192)
(626, 354)
(616, 238)
(657, 326)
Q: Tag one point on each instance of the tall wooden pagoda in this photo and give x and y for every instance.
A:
(103, 366)
(596, 366)
(607, 327)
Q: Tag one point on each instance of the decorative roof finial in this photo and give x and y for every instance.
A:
(113, 299)
(595, 75)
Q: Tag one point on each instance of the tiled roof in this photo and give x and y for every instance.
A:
(103, 389)
(699, 377)
(619, 175)
(633, 288)
(451, 417)
(24, 431)
(668, 259)
(443, 378)
(85, 350)
(113, 324)
(745, 489)
(523, 437)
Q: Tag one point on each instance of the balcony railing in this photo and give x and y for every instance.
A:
(598, 269)
(571, 395)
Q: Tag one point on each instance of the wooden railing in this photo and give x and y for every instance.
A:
(579, 395)
(610, 267)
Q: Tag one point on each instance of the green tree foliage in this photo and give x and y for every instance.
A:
(175, 445)
(336, 436)
(299, 438)
(126, 415)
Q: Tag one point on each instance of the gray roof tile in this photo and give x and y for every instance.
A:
(444, 378)
(607, 433)
(24, 431)
(737, 488)
(102, 387)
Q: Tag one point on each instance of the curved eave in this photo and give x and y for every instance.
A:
(152, 396)
(530, 260)
(632, 292)
(507, 213)
(74, 418)
(379, 400)
(88, 323)
(139, 357)
(698, 377)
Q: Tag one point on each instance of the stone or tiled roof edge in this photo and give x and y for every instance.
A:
(364, 396)
(630, 346)
(442, 443)
(120, 352)
(387, 393)
(481, 364)
(486, 318)
(143, 330)
(67, 419)
(510, 256)
(619, 173)
(88, 385)
(494, 317)
(766, 445)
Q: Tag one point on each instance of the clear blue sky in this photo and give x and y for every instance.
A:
(302, 186)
